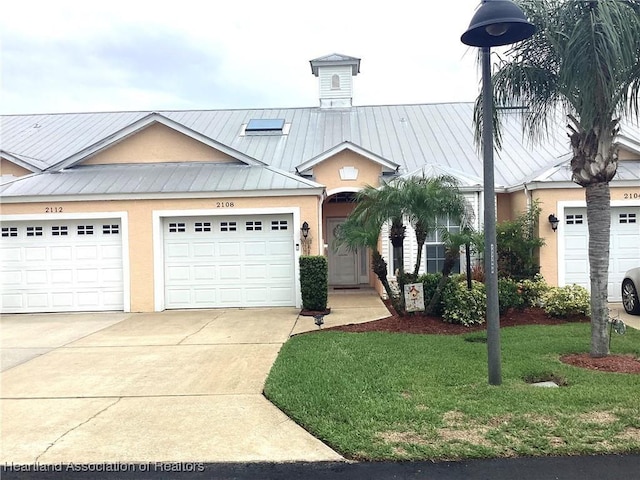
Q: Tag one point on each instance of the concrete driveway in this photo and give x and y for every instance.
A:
(176, 386)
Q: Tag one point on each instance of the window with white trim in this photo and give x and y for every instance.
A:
(34, 231)
(9, 231)
(85, 229)
(574, 219)
(434, 249)
(627, 218)
(110, 229)
(228, 226)
(279, 224)
(253, 226)
(59, 230)
(177, 227)
(202, 227)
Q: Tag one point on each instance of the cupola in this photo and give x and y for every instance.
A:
(335, 74)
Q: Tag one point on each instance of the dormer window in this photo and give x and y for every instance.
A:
(265, 126)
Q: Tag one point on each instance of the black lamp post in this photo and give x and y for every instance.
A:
(495, 23)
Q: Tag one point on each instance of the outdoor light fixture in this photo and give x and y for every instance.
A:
(319, 319)
(553, 220)
(305, 230)
(495, 23)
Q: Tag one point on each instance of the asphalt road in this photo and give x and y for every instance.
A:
(603, 467)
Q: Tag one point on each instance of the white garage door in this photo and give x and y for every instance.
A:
(240, 261)
(624, 246)
(61, 266)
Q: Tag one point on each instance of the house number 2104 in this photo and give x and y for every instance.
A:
(224, 204)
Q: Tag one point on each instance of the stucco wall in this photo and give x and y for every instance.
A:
(10, 168)
(158, 143)
(328, 172)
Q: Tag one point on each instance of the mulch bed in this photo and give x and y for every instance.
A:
(424, 324)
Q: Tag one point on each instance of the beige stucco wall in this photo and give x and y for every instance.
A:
(158, 143)
(140, 226)
(625, 154)
(9, 168)
(328, 172)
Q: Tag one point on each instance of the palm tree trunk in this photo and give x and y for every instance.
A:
(379, 267)
(450, 257)
(599, 222)
(421, 237)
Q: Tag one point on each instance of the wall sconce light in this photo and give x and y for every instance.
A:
(553, 220)
(305, 230)
(306, 239)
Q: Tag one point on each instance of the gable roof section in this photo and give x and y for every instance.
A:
(143, 123)
(149, 180)
(388, 166)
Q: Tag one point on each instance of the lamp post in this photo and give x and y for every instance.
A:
(495, 23)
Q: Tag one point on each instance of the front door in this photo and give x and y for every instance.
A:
(343, 262)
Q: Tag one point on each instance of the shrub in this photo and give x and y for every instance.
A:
(464, 306)
(533, 291)
(430, 284)
(509, 295)
(567, 301)
(314, 282)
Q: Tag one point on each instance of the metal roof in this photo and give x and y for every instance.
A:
(409, 136)
(158, 178)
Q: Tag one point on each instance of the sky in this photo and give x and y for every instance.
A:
(82, 56)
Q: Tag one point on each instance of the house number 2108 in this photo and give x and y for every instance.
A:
(224, 204)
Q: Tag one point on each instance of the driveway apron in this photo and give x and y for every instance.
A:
(176, 386)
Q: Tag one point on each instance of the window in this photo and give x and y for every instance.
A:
(574, 219)
(335, 82)
(264, 126)
(34, 231)
(253, 226)
(228, 226)
(279, 224)
(110, 229)
(177, 227)
(627, 218)
(9, 231)
(203, 226)
(85, 229)
(434, 250)
(59, 230)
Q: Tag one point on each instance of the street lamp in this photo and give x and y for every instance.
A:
(495, 23)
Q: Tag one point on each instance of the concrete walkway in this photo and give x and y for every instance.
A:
(176, 386)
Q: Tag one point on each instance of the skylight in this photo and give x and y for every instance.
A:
(272, 125)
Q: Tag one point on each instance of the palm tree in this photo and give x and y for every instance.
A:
(583, 61)
(422, 201)
(426, 199)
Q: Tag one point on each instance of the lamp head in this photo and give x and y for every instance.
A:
(496, 23)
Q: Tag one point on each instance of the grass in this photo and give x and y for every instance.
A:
(383, 396)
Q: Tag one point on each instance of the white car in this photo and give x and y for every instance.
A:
(630, 286)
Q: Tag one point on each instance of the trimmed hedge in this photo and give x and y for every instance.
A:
(314, 283)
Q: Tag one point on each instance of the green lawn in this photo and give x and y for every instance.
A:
(375, 396)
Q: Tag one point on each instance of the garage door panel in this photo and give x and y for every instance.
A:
(229, 249)
(234, 263)
(204, 272)
(35, 254)
(230, 272)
